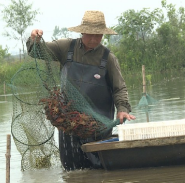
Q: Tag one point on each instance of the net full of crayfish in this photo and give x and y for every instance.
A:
(64, 105)
(67, 114)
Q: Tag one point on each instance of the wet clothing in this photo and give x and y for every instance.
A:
(103, 92)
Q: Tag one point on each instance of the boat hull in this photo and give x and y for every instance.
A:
(166, 151)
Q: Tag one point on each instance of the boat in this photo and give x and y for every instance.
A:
(117, 154)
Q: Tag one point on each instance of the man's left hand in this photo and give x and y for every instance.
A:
(122, 115)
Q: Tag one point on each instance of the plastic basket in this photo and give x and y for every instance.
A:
(151, 130)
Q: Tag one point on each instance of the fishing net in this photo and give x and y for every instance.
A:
(146, 101)
(43, 99)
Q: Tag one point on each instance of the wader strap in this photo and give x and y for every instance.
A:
(71, 51)
(104, 61)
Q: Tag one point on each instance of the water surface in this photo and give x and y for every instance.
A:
(171, 105)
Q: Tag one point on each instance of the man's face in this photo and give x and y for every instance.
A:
(91, 41)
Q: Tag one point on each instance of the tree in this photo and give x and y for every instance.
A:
(155, 39)
(137, 29)
(18, 17)
(3, 53)
(60, 33)
(171, 36)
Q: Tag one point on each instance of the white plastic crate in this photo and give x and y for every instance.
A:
(149, 130)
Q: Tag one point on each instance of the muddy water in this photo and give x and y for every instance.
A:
(171, 96)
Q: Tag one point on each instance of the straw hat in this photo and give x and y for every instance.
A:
(93, 22)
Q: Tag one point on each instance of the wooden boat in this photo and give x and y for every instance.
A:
(115, 154)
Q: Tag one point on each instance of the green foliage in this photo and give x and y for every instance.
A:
(7, 70)
(149, 79)
(3, 53)
(138, 25)
(18, 17)
(60, 33)
(136, 29)
(155, 39)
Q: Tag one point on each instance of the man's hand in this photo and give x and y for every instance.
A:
(122, 115)
(36, 33)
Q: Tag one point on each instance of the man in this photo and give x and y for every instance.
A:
(102, 81)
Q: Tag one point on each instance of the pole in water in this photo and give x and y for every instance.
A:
(5, 90)
(8, 148)
(144, 88)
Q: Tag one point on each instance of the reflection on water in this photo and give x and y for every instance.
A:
(171, 99)
(149, 175)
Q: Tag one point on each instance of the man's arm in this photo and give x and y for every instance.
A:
(120, 93)
(57, 49)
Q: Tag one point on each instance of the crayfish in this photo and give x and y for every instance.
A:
(61, 114)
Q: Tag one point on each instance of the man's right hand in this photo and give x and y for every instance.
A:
(36, 33)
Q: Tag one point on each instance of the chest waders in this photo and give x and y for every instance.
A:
(83, 76)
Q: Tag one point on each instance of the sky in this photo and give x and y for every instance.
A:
(69, 13)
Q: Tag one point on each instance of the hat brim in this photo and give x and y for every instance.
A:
(92, 30)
